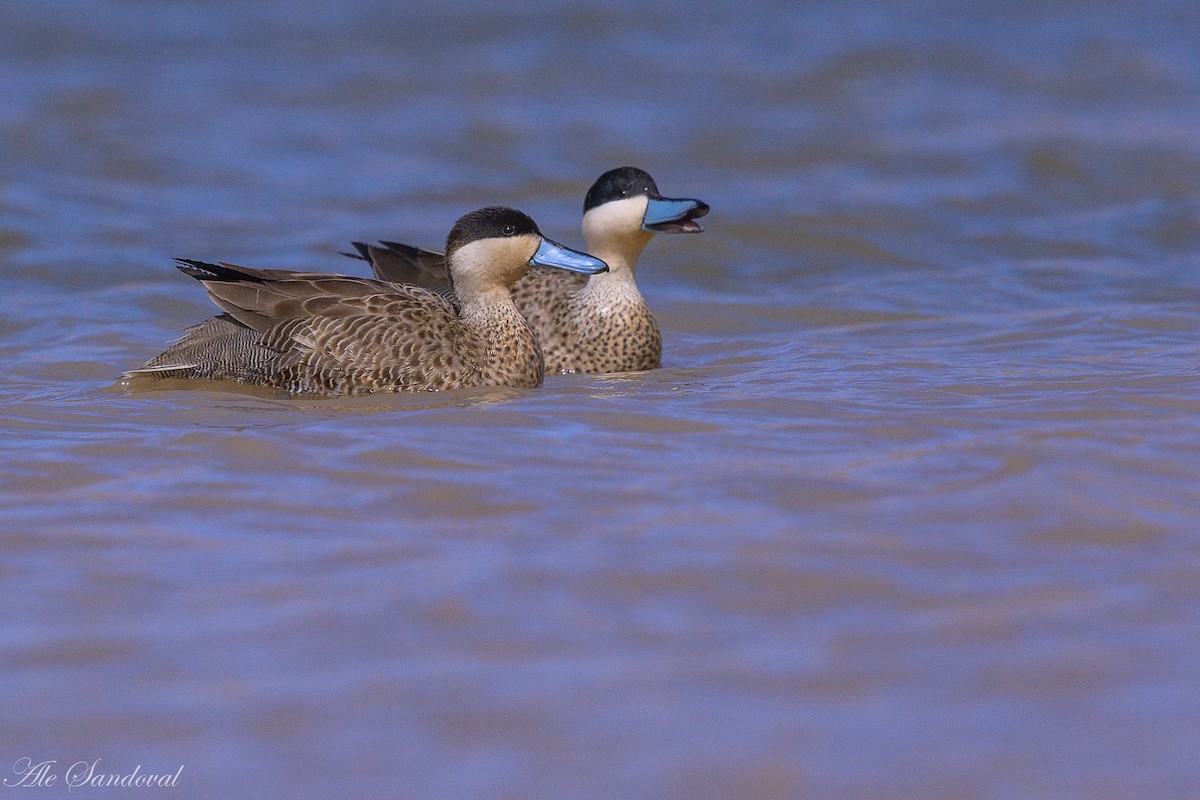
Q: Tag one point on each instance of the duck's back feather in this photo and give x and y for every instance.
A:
(396, 262)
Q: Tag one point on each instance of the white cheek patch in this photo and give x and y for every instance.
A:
(488, 262)
(617, 217)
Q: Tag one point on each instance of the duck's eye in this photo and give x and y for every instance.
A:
(509, 230)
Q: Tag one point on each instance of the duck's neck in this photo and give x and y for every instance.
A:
(621, 253)
(509, 339)
(487, 312)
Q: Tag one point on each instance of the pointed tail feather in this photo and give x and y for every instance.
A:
(205, 271)
(363, 254)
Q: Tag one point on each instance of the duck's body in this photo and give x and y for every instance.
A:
(589, 326)
(595, 325)
(328, 334)
(219, 348)
(331, 334)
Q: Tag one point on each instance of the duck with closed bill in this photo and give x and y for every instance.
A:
(333, 334)
(597, 324)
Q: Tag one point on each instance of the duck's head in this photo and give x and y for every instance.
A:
(625, 202)
(492, 248)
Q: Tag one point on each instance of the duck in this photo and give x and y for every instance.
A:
(585, 324)
(318, 333)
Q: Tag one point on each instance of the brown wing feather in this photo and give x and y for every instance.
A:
(402, 263)
(349, 334)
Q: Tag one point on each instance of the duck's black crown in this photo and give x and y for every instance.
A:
(493, 222)
(617, 184)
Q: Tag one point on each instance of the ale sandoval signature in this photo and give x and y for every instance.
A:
(27, 772)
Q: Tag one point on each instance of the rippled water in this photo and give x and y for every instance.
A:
(912, 509)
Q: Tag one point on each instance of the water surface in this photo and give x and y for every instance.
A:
(910, 511)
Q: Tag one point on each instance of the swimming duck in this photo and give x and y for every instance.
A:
(332, 334)
(597, 324)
